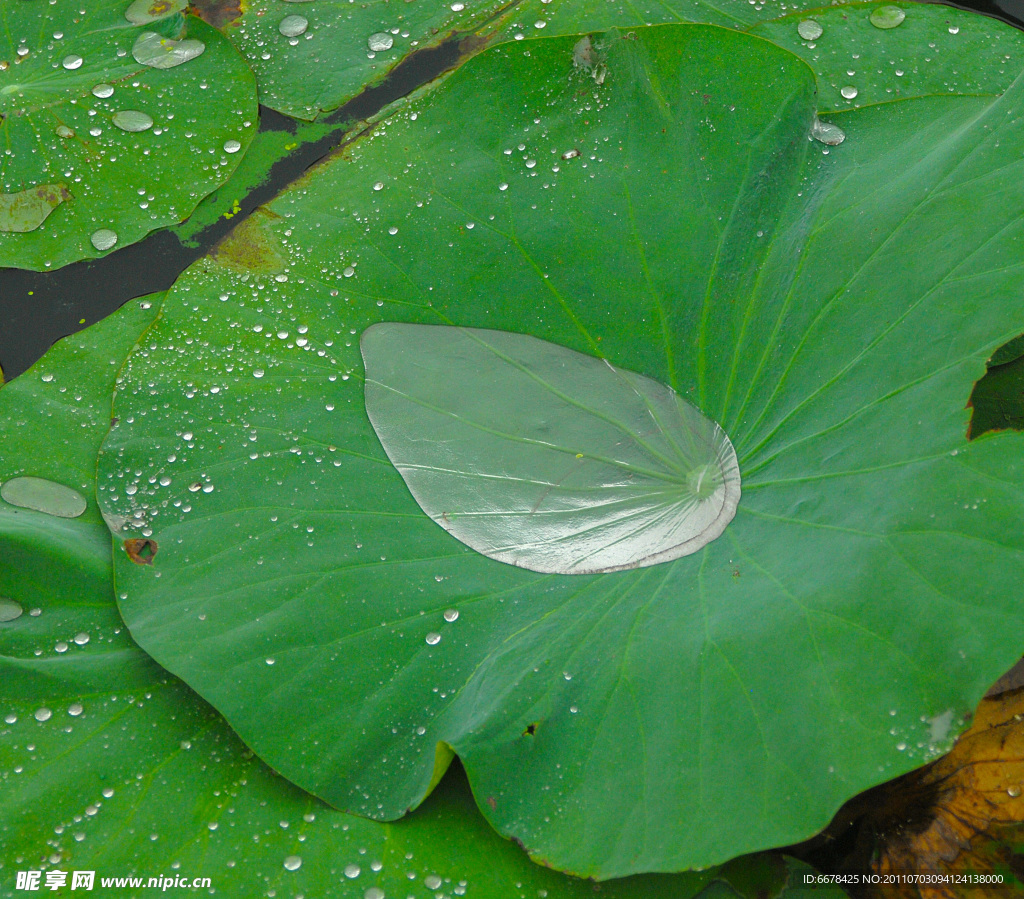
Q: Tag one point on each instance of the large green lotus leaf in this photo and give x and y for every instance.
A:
(830, 307)
(77, 183)
(112, 765)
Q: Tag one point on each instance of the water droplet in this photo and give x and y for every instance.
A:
(378, 185)
(379, 41)
(374, 893)
(293, 863)
(42, 495)
(142, 12)
(271, 660)
(75, 709)
(103, 239)
(433, 638)
(954, 29)
(451, 614)
(432, 882)
(73, 61)
(809, 30)
(9, 609)
(64, 131)
(150, 49)
(293, 26)
(886, 17)
(132, 120)
(81, 638)
(827, 133)
(458, 7)
(849, 92)
(352, 871)
(43, 714)
(103, 90)
(11, 718)
(1013, 792)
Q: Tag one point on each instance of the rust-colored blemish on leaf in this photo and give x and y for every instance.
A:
(217, 13)
(251, 246)
(141, 550)
(492, 803)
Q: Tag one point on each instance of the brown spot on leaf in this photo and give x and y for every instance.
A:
(217, 13)
(140, 550)
(251, 246)
(492, 803)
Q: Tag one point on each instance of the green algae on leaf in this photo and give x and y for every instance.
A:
(675, 220)
(97, 141)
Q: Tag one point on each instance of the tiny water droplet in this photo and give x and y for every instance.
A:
(9, 609)
(379, 41)
(43, 714)
(809, 30)
(293, 862)
(433, 638)
(132, 120)
(886, 17)
(293, 26)
(73, 61)
(103, 239)
(451, 614)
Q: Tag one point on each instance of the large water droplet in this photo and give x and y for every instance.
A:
(379, 41)
(374, 893)
(43, 714)
(142, 12)
(433, 638)
(103, 238)
(232, 146)
(132, 120)
(432, 882)
(849, 92)
(293, 863)
(352, 871)
(103, 90)
(9, 609)
(293, 26)
(73, 61)
(74, 710)
(886, 17)
(827, 133)
(42, 495)
(64, 131)
(451, 614)
(809, 30)
(150, 49)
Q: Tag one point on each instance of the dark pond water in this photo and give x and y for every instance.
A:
(38, 308)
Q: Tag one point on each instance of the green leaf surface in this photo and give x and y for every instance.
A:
(331, 59)
(109, 764)
(83, 177)
(830, 307)
(542, 457)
